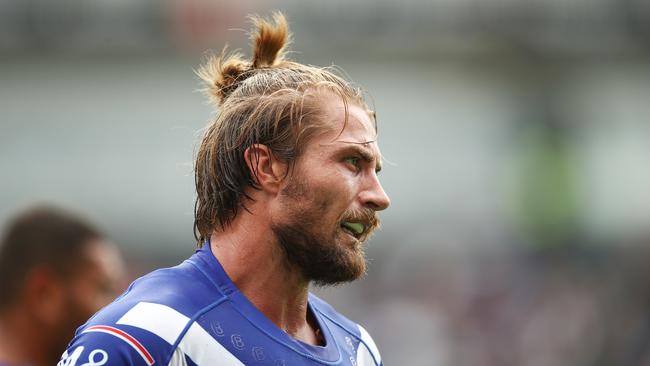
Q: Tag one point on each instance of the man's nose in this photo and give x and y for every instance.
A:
(374, 196)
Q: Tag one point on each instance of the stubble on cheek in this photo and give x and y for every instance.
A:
(311, 240)
(313, 205)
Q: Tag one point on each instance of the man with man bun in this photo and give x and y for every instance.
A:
(287, 193)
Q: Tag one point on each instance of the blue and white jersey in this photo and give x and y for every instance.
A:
(193, 314)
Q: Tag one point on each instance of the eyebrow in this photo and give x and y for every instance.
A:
(363, 153)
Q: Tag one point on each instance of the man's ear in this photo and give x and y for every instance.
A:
(266, 171)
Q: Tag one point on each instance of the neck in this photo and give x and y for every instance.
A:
(250, 255)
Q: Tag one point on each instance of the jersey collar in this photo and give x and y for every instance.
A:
(218, 276)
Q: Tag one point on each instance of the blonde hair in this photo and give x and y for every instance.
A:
(268, 100)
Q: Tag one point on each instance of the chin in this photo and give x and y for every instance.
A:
(351, 266)
(325, 262)
(348, 241)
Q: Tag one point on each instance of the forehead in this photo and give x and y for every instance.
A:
(352, 126)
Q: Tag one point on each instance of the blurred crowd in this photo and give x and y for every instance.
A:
(574, 305)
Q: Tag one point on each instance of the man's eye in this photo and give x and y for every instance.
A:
(354, 161)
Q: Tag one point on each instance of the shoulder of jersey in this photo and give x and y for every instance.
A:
(145, 323)
(184, 288)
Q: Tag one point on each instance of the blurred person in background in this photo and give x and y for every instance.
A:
(56, 270)
(288, 192)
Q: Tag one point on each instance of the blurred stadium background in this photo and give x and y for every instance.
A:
(516, 133)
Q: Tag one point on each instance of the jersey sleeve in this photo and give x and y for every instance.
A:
(109, 345)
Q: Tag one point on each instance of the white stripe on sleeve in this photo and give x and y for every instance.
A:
(168, 324)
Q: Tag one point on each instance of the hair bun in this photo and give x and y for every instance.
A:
(222, 74)
(269, 40)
